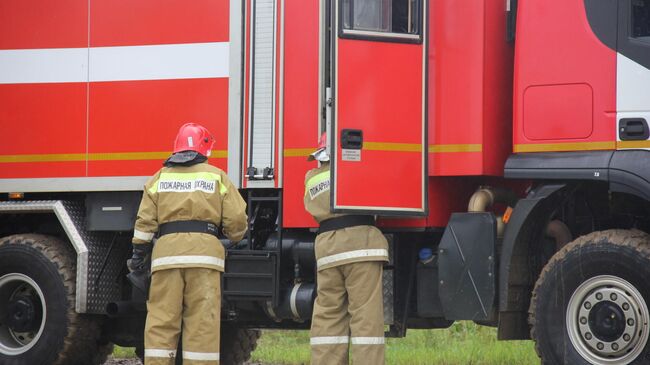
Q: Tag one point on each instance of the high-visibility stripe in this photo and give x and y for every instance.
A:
(633, 144)
(318, 178)
(564, 147)
(367, 340)
(298, 152)
(455, 148)
(397, 147)
(351, 255)
(145, 236)
(204, 356)
(168, 354)
(188, 177)
(118, 156)
(100, 64)
(391, 146)
(329, 340)
(188, 260)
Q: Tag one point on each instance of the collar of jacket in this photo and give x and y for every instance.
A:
(185, 158)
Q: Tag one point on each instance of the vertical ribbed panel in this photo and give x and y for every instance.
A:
(262, 128)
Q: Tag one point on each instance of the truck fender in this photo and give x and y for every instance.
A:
(528, 220)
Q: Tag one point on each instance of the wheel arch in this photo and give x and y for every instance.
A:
(516, 279)
(64, 216)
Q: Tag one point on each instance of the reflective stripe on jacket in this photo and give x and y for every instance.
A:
(198, 192)
(343, 246)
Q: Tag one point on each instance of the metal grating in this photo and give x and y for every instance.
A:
(105, 288)
(389, 300)
(262, 113)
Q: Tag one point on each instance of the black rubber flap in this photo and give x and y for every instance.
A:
(466, 266)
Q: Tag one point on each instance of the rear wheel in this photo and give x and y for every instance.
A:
(38, 322)
(590, 305)
(237, 344)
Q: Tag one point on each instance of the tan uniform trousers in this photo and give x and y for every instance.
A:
(349, 309)
(191, 296)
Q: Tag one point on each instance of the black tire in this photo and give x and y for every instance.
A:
(575, 288)
(67, 338)
(237, 344)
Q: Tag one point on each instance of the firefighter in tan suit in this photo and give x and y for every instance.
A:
(184, 204)
(350, 253)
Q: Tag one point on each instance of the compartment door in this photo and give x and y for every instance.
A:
(378, 132)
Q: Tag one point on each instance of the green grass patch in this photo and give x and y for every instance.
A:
(123, 352)
(462, 344)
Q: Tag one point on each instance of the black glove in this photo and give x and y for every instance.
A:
(141, 259)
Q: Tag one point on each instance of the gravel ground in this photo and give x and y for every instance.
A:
(123, 362)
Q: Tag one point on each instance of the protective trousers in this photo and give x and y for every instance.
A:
(349, 309)
(191, 296)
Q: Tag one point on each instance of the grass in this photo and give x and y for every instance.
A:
(464, 343)
(123, 352)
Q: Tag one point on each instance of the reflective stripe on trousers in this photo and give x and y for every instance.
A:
(349, 301)
(378, 252)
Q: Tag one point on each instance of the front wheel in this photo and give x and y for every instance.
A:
(590, 304)
(38, 322)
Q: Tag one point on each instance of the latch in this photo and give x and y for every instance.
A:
(351, 139)
(633, 129)
(252, 173)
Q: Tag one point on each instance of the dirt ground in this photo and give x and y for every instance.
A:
(123, 362)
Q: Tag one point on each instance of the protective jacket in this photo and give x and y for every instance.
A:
(341, 246)
(186, 264)
(199, 192)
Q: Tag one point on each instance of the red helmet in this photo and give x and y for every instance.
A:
(194, 137)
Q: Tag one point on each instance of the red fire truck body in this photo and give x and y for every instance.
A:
(499, 136)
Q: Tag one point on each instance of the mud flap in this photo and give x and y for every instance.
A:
(466, 267)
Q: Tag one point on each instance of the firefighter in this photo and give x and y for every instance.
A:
(184, 204)
(350, 253)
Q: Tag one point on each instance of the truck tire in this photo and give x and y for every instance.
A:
(590, 303)
(237, 344)
(39, 324)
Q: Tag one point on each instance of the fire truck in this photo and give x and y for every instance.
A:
(501, 144)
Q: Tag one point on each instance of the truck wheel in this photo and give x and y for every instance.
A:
(237, 344)
(590, 303)
(38, 322)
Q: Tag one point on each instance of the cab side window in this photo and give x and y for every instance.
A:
(368, 17)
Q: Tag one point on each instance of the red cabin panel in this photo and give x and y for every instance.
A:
(565, 80)
(43, 24)
(379, 91)
(43, 130)
(142, 22)
(470, 88)
(301, 111)
(128, 119)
